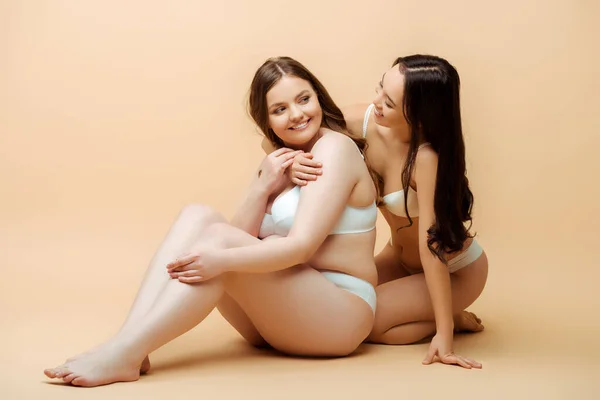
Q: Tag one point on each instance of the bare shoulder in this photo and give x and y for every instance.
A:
(335, 144)
(355, 115)
(426, 162)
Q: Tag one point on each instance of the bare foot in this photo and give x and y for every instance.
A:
(466, 321)
(145, 366)
(85, 353)
(108, 364)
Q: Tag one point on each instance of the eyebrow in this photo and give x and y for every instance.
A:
(389, 98)
(305, 91)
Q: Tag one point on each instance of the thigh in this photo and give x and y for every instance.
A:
(407, 299)
(188, 228)
(235, 315)
(239, 320)
(389, 266)
(296, 310)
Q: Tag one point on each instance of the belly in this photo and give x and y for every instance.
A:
(351, 254)
(405, 239)
(406, 242)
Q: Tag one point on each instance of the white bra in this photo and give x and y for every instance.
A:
(283, 211)
(394, 201)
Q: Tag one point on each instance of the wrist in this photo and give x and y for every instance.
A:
(260, 192)
(445, 327)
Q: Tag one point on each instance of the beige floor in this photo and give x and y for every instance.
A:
(70, 293)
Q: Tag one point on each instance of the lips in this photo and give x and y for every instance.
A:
(377, 112)
(301, 126)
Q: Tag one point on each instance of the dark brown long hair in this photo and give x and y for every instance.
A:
(431, 107)
(271, 72)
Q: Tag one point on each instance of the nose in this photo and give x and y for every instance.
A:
(377, 104)
(377, 100)
(296, 113)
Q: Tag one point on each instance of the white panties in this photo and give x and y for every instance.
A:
(357, 286)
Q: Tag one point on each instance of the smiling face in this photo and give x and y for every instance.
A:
(389, 101)
(294, 112)
(291, 106)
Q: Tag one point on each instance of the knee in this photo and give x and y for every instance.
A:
(378, 331)
(216, 234)
(376, 336)
(196, 210)
(217, 230)
(199, 212)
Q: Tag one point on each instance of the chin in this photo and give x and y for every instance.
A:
(382, 123)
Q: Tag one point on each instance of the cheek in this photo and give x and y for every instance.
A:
(278, 123)
(397, 118)
(314, 109)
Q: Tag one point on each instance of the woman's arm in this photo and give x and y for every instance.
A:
(250, 214)
(270, 177)
(306, 167)
(436, 273)
(320, 207)
(437, 276)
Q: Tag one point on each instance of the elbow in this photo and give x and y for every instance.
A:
(304, 250)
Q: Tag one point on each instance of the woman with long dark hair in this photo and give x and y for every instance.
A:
(432, 269)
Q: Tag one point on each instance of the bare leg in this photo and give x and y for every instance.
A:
(176, 308)
(183, 234)
(237, 317)
(300, 321)
(404, 311)
(389, 266)
(119, 359)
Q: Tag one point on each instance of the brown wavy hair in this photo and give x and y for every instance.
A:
(269, 74)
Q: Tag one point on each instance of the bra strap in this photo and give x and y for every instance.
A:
(366, 120)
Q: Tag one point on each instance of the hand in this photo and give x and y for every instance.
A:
(198, 266)
(271, 173)
(304, 169)
(441, 346)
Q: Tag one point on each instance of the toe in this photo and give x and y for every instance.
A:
(55, 372)
(49, 372)
(80, 381)
(474, 317)
(62, 372)
(77, 381)
(69, 378)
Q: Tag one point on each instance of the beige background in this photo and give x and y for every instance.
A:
(114, 114)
